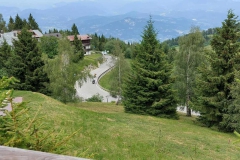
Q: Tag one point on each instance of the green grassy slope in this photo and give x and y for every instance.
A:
(106, 132)
(107, 79)
(92, 59)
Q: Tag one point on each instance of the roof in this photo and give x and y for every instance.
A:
(58, 35)
(82, 37)
(36, 33)
(8, 36)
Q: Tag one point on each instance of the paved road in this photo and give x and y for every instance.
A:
(8, 107)
(88, 89)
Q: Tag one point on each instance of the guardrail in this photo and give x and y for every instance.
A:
(22, 154)
(101, 75)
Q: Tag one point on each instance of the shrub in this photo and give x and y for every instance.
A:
(95, 98)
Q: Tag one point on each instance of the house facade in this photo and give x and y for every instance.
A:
(10, 36)
(86, 41)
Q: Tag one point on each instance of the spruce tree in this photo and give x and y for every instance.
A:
(11, 24)
(18, 25)
(74, 29)
(231, 119)
(5, 59)
(216, 79)
(2, 23)
(28, 65)
(32, 23)
(148, 88)
(78, 52)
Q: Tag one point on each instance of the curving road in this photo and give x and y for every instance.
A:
(88, 89)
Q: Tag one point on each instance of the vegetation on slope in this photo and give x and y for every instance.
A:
(106, 132)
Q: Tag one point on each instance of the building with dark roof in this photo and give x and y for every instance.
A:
(86, 41)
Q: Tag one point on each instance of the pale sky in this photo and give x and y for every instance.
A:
(38, 4)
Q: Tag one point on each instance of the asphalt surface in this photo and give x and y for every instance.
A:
(8, 107)
(88, 89)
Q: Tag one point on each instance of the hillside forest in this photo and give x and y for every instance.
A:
(198, 70)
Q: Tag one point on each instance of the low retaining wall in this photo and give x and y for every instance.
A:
(10, 153)
(99, 77)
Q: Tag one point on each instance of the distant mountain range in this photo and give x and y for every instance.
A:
(126, 19)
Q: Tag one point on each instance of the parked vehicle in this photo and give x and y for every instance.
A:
(93, 81)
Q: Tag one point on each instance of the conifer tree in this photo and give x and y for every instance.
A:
(18, 23)
(11, 24)
(231, 119)
(215, 81)
(78, 52)
(5, 59)
(2, 23)
(95, 42)
(148, 88)
(75, 30)
(32, 23)
(28, 66)
(25, 24)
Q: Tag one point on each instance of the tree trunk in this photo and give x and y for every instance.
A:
(187, 87)
(189, 112)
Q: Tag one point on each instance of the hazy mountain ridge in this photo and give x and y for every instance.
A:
(172, 17)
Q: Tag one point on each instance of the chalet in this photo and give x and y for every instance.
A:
(85, 41)
(9, 36)
(36, 34)
(57, 35)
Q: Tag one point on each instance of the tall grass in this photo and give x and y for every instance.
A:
(106, 132)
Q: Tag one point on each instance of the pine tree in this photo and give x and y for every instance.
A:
(32, 23)
(75, 30)
(102, 41)
(231, 119)
(216, 79)
(5, 57)
(28, 65)
(186, 62)
(78, 52)
(148, 88)
(2, 23)
(11, 24)
(25, 24)
(18, 23)
(95, 42)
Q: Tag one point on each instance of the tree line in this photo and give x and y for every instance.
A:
(46, 65)
(202, 79)
(160, 77)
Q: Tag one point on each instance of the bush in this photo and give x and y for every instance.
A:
(95, 98)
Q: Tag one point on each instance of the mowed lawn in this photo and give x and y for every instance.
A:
(107, 133)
